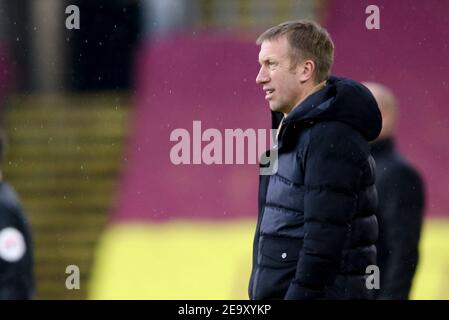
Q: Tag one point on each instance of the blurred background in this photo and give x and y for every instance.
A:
(89, 112)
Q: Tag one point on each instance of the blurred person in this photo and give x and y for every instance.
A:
(16, 257)
(401, 205)
(317, 228)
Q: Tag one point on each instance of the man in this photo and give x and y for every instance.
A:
(16, 260)
(401, 205)
(317, 227)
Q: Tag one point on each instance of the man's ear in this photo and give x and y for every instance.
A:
(307, 70)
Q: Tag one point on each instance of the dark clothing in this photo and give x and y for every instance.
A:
(317, 228)
(400, 213)
(16, 258)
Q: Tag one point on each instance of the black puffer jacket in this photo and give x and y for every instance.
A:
(317, 228)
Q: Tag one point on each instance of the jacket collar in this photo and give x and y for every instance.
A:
(343, 100)
(303, 112)
(316, 88)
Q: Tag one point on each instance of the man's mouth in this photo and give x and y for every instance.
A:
(268, 93)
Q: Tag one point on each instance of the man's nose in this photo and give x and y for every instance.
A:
(262, 77)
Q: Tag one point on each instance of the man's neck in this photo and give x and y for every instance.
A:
(311, 90)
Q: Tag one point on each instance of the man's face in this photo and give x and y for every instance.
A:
(281, 84)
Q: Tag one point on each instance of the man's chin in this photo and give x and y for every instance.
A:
(275, 108)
